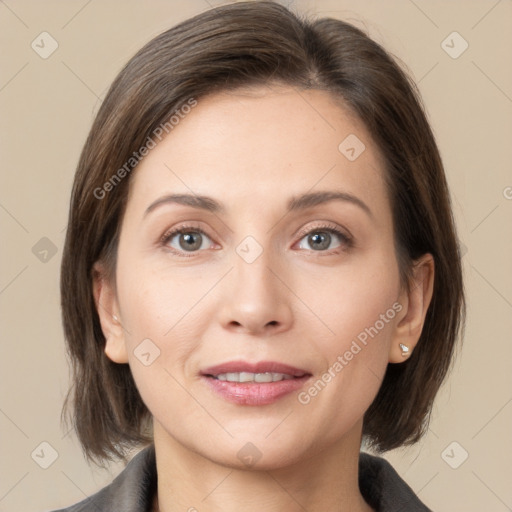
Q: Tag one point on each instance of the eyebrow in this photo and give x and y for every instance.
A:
(315, 198)
(301, 202)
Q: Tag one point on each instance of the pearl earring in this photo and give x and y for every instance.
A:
(404, 349)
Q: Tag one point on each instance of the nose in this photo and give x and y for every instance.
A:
(256, 298)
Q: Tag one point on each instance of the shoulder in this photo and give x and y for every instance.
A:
(384, 489)
(131, 491)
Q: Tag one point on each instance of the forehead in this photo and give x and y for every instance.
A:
(263, 142)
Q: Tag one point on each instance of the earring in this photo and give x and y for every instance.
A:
(404, 349)
(115, 318)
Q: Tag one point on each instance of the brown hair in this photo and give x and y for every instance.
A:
(242, 44)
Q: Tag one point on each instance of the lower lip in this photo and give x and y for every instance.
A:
(255, 393)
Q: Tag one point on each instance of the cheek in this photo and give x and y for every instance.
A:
(355, 300)
(164, 322)
(157, 303)
(360, 308)
(163, 316)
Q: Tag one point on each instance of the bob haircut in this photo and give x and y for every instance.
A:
(222, 49)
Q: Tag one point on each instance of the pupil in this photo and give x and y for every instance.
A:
(191, 241)
(320, 240)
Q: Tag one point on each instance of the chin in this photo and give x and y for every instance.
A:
(258, 454)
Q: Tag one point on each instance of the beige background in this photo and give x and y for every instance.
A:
(47, 107)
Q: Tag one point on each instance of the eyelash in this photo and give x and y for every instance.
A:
(345, 239)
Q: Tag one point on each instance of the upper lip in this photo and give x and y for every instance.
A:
(258, 367)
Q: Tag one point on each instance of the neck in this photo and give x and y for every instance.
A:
(327, 481)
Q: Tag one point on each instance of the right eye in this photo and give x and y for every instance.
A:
(189, 239)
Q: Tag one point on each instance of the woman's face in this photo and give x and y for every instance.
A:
(269, 279)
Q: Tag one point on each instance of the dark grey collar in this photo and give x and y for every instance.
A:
(383, 489)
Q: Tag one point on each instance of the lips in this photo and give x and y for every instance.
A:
(246, 383)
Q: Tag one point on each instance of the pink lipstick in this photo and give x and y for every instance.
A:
(259, 383)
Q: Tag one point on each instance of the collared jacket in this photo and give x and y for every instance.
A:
(133, 490)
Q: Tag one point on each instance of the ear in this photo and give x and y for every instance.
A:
(415, 303)
(107, 307)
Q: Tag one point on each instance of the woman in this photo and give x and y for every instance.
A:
(261, 270)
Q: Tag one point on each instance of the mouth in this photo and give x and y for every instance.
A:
(254, 383)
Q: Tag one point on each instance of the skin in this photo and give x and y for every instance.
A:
(252, 150)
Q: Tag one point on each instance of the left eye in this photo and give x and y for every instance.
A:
(321, 239)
